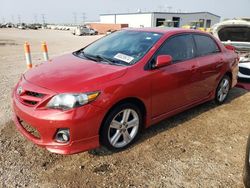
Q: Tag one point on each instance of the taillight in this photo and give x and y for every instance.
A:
(230, 47)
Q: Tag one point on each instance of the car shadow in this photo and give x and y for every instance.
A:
(174, 121)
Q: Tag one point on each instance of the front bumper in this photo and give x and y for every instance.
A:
(244, 71)
(83, 123)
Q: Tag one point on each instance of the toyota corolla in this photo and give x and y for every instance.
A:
(107, 92)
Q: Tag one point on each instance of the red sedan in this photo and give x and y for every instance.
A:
(107, 92)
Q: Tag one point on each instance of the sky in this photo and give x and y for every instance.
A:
(56, 11)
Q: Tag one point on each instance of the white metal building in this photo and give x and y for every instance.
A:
(154, 19)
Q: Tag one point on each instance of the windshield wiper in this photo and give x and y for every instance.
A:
(106, 59)
(88, 56)
(81, 53)
(99, 58)
(102, 58)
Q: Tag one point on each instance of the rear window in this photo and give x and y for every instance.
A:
(205, 45)
(237, 34)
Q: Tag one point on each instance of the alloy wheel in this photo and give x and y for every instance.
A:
(123, 128)
(223, 89)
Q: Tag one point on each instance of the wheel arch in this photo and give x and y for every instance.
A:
(228, 73)
(138, 102)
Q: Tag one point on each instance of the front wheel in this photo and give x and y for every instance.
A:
(121, 127)
(223, 90)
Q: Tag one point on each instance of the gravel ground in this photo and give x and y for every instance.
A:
(201, 147)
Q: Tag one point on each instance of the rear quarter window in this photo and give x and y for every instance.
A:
(205, 45)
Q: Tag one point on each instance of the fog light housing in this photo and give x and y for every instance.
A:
(62, 136)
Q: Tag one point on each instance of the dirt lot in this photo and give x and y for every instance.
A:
(202, 147)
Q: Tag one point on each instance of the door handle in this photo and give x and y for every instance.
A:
(194, 68)
(219, 64)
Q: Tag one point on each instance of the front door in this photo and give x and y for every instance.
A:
(174, 86)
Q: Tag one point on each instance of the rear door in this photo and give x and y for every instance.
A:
(174, 86)
(210, 61)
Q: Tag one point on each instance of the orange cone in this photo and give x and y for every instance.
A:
(27, 55)
(45, 51)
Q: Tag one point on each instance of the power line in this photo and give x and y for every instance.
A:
(160, 8)
(75, 17)
(43, 19)
(3, 20)
(83, 17)
(12, 19)
(35, 18)
(169, 8)
(19, 18)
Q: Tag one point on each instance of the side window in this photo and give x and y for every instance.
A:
(205, 45)
(179, 47)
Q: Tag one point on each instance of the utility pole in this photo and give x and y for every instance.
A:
(169, 8)
(19, 18)
(160, 7)
(43, 19)
(12, 19)
(75, 17)
(83, 17)
(35, 18)
(3, 20)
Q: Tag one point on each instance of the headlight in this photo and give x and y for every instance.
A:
(67, 101)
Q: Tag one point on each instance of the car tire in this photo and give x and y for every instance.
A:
(246, 174)
(121, 127)
(222, 90)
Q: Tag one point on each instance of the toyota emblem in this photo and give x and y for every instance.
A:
(19, 90)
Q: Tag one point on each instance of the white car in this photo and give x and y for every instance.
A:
(236, 33)
(83, 30)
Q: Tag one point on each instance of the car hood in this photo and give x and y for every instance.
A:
(235, 32)
(69, 73)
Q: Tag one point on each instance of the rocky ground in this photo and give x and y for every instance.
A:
(201, 147)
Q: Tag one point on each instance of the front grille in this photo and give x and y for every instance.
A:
(29, 128)
(34, 94)
(244, 71)
(31, 98)
(30, 102)
(243, 80)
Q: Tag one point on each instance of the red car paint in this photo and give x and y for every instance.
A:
(164, 92)
(243, 85)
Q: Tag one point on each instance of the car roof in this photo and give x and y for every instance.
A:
(165, 30)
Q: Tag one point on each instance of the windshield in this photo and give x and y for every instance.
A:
(122, 47)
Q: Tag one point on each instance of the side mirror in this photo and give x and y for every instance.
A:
(230, 47)
(163, 60)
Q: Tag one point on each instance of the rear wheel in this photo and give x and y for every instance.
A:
(223, 90)
(121, 127)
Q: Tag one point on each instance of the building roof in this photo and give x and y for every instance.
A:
(181, 13)
(164, 30)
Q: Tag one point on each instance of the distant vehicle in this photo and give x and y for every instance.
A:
(110, 31)
(168, 23)
(83, 30)
(9, 25)
(236, 33)
(34, 26)
(247, 165)
(196, 25)
(22, 26)
(107, 92)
